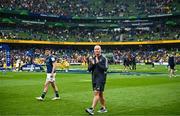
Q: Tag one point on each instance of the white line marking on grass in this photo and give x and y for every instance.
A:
(85, 80)
(4, 75)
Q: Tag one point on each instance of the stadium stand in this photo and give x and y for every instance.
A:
(74, 55)
(89, 35)
(140, 20)
(90, 21)
(95, 8)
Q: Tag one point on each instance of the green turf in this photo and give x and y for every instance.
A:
(125, 94)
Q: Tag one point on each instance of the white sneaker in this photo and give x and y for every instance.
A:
(55, 98)
(39, 98)
(90, 111)
(102, 110)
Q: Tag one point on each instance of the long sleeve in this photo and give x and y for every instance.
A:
(103, 65)
(90, 67)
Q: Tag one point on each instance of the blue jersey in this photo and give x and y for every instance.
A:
(49, 63)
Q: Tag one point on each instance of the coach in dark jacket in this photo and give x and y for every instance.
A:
(98, 66)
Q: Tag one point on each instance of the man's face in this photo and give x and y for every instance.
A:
(47, 52)
(97, 50)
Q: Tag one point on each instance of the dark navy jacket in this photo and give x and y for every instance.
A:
(98, 69)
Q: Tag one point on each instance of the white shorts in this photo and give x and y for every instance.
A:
(49, 78)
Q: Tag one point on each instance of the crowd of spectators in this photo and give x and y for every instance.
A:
(88, 35)
(92, 8)
(115, 56)
(145, 56)
(152, 7)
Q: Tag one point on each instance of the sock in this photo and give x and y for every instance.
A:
(56, 93)
(43, 95)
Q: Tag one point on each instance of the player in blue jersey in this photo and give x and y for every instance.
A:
(51, 74)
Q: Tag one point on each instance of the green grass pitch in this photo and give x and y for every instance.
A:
(126, 94)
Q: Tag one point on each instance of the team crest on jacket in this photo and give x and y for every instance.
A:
(100, 60)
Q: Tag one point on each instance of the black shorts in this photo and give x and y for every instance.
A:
(99, 86)
(172, 66)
